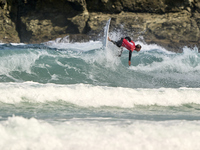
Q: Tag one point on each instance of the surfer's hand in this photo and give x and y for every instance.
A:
(129, 63)
(109, 39)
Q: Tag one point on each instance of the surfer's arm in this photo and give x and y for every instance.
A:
(129, 59)
(128, 38)
(112, 41)
(117, 43)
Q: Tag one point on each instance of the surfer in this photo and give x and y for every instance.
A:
(128, 44)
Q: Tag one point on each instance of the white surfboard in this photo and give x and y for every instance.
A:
(106, 30)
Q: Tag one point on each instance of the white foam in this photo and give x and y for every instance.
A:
(16, 44)
(77, 46)
(180, 64)
(21, 62)
(97, 96)
(91, 45)
(20, 133)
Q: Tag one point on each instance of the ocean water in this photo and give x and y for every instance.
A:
(71, 96)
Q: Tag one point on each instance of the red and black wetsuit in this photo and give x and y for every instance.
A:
(127, 43)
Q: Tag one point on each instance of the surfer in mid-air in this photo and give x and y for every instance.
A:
(128, 44)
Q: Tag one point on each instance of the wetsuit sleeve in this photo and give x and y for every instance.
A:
(130, 54)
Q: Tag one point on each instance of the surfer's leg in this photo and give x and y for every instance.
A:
(119, 43)
(120, 52)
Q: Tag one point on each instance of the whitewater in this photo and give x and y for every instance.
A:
(62, 95)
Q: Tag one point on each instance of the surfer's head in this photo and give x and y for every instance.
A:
(138, 47)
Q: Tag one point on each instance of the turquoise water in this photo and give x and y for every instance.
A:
(80, 96)
(152, 68)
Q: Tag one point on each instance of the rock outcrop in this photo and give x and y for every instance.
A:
(8, 32)
(172, 24)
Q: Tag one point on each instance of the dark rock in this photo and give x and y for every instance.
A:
(172, 24)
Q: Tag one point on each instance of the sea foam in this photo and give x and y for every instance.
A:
(21, 133)
(97, 96)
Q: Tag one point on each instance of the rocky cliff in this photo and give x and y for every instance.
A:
(172, 24)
